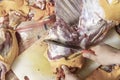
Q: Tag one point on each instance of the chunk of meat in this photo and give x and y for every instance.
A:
(91, 28)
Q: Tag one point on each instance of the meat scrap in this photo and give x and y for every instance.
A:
(26, 78)
(60, 73)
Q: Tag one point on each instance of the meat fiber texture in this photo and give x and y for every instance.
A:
(90, 28)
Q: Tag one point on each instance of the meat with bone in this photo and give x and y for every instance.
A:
(75, 36)
(60, 50)
(91, 27)
(61, 32)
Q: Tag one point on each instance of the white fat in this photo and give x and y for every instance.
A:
(60, 34)
(40, 4)
(52, 35)
(31, 13)
(24, 35)
(83, 43)
(109, 1)
(92, 12)
(2, 36)
(1, 19)
(113, 1)
(64, 36)
(56, 50)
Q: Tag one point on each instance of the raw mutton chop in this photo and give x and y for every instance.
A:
(81, 23)
(90, 28)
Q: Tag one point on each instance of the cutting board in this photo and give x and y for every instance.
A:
(32, 64)
(112, 39)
